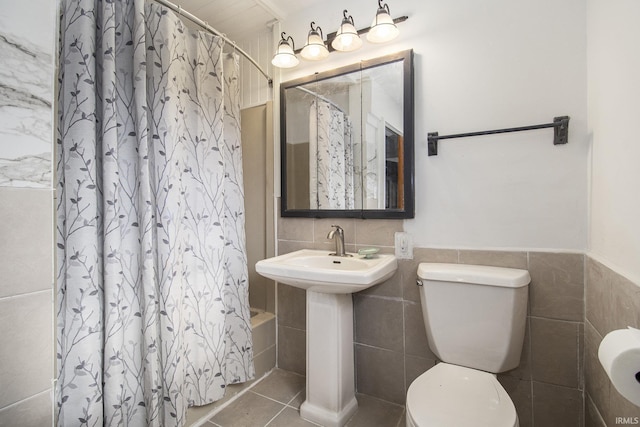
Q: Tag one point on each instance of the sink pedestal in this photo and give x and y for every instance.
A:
(331, 397)
(329, 282)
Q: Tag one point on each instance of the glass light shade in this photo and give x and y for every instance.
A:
(347, 38)
(315, 49)
(284, 57)
(383, 28)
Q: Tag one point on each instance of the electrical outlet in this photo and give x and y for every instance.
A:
(404, 245)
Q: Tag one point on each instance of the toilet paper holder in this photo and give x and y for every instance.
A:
(619, 355)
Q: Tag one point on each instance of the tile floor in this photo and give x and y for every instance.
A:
(275, 402)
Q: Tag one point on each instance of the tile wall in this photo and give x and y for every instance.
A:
(257, 155)
(391, 347)
(27, 36)
(612, 302)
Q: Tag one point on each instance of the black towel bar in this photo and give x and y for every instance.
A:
(560, 134)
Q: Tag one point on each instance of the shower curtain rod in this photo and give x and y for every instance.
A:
(320, 97)
(180, 11)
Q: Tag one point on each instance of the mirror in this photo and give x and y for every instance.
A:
(347, 141)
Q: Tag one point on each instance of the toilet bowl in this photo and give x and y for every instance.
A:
(474, 317)
(454, 396)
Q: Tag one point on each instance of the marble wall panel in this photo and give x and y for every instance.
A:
(27, 35)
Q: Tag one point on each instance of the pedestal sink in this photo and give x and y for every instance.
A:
(329, 282)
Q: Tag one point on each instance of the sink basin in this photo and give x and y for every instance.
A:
(317, 271)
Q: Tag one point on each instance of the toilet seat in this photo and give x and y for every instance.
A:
(449, 395)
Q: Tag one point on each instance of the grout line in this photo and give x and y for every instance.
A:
(530, 364)
(399, 405)
(568, 387)
(404, 350)
(276, 415)
(382, 348)
(384, 297)
(583, 370)
(54, 388)
(207, 418)
(577, 322)
(26, 399)
(263, 351)
(276, 308)
(400, 423)
(267, 397)
(293, 398)
(26, 294)
(532, 402)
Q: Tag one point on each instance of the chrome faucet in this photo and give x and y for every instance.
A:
(338, 236)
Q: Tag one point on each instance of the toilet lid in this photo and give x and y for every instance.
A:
(449, 395)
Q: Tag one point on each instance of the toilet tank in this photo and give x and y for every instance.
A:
(474, 315)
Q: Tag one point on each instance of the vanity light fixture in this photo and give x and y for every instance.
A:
(315, 48)
(284, 57)
(383, 29)
(347, 38)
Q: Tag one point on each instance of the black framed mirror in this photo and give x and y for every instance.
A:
(347, 141)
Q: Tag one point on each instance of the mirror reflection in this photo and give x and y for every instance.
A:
(347, 141)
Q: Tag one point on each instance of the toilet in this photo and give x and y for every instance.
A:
(475, 321)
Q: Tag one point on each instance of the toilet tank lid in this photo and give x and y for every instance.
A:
(480, 274)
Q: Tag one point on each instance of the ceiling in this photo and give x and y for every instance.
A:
(240, 19)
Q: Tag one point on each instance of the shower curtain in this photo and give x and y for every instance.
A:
(331, 157)
(152, 289)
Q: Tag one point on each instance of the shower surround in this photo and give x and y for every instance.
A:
(27, 39)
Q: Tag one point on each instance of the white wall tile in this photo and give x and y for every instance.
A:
(26, 353)
(26, 249)
(32, 412)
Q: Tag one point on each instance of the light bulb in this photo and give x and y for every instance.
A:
(383, 29)
(315, 49)
(347, 38)
(285, 57)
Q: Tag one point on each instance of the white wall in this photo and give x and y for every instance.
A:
(614, 113)
(254, 86)
(479, 66)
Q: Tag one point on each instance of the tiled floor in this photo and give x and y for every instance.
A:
(275, 402)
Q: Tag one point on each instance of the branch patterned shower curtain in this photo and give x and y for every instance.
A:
(331, 157)
(152, 300)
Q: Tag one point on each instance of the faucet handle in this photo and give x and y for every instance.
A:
(338, 230)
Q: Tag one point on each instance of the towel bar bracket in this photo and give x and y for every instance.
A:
(560, 130)
(560, 133)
